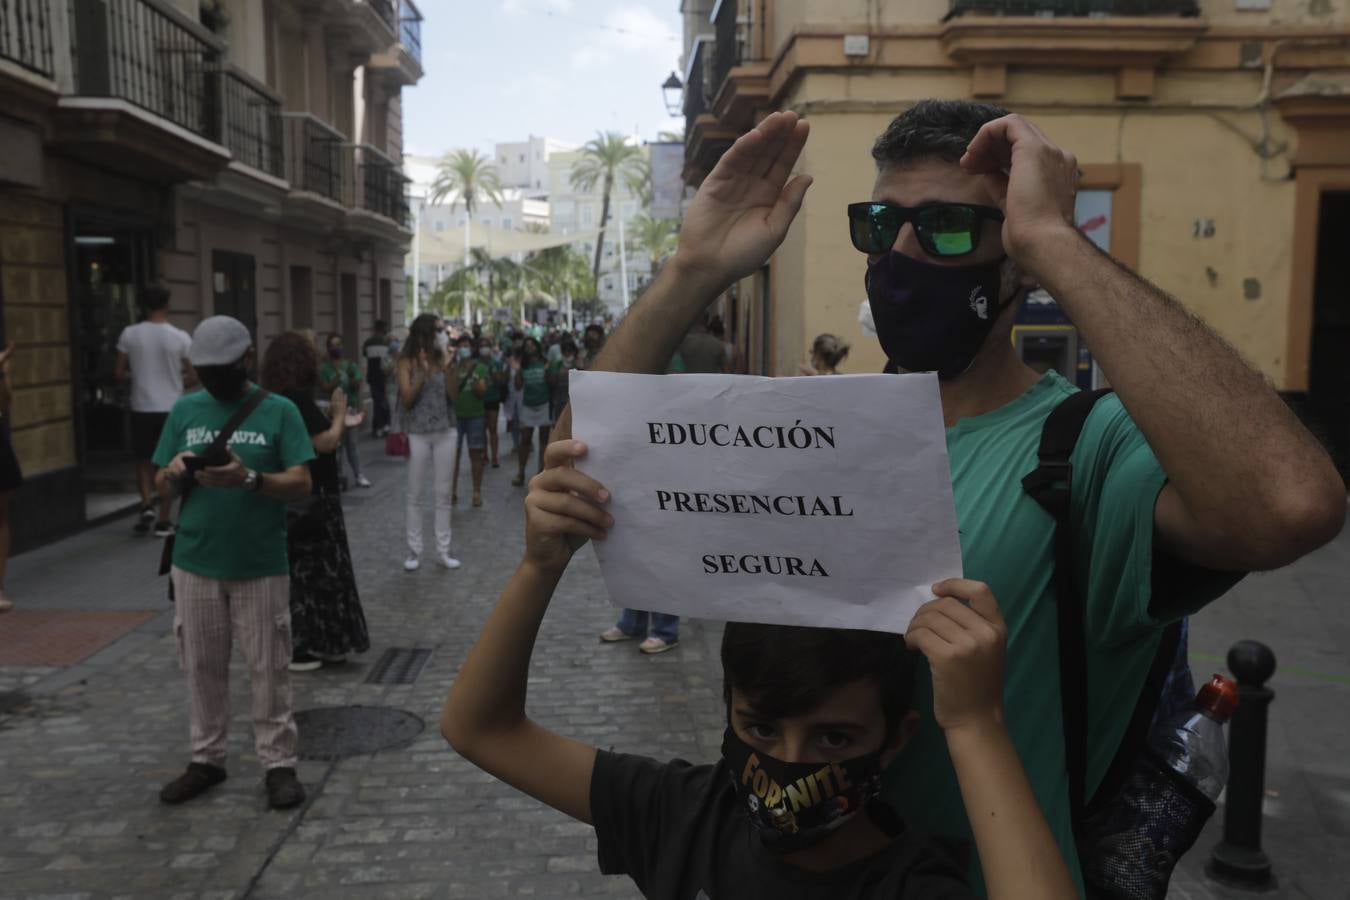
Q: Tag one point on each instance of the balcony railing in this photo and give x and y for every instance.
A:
(385, 10)
(150, 55)
(313, 156)
(381, 185)
(253, 123)
(1077, 7)
(695, 98)
(410, 29)
(26, 35)
(727, 50)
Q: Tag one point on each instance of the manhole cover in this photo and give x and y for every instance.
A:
(336, 732)
(398, 665)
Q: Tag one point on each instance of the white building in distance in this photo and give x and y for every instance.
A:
(524, 164)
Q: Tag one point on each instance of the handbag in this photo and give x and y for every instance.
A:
(216, 449)
(396, 444)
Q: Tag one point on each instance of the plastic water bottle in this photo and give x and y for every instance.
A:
(1192, 743)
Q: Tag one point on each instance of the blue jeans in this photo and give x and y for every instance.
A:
(633, 622)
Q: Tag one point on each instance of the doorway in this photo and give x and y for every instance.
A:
(112, 262)
(350, 321)
(1328, 401)
(232, 283)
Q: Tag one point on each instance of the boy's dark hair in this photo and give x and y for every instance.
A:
(381, 325)
(154, 297)
(789, 670)
(933, 129)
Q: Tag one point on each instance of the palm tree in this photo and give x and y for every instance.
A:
(469, 177)
(654, 237)
(604, 159)
(466, 176)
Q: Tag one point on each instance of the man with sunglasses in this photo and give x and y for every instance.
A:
(1192, 473)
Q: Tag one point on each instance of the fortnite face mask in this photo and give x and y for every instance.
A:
(795, 805)
(932, 318)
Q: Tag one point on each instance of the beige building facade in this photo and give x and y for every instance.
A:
(1214, 138)
(245, 153)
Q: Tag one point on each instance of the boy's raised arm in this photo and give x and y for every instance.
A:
(484, 714)
(963, 635)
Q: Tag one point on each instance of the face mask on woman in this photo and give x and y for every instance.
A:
(464, 353)
(484, 352)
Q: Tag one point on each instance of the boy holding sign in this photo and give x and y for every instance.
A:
(814, 717)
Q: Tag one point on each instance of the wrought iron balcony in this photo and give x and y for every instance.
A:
(695, 94)
(385, 10)
(253, 123)
(380, 183)
(150, 55)
(313, 156)
(410, 29)
(726, 50)
(26, 35)
(1077, 7)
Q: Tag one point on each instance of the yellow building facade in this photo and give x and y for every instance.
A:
(1214, 138)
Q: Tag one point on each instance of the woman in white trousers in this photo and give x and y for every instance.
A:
(426, 390)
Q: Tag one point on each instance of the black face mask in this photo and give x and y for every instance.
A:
(932, 318)
(225, 383)
(795, 805)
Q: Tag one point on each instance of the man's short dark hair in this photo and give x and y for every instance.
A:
(788, 670)
(598, 329)
(933, 129)
(155, 297)
(381, 325)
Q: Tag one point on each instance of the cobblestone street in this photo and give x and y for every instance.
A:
(85, 747)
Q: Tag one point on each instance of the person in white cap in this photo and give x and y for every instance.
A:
(231, 577)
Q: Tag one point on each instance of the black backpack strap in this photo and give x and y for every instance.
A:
(1051, 485)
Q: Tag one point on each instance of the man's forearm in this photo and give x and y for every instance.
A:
(649, 335)
(489, 692)
(1018, 854)
(1237, 457)
(286, 486)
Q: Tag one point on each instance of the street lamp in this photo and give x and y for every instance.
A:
(672, 91)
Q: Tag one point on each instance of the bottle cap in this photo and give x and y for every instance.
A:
(1219, 697)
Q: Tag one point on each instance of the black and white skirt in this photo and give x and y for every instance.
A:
(326, 616)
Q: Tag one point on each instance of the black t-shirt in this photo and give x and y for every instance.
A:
(679, 832)
(323, 468)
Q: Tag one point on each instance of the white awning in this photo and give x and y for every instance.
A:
(447, 247)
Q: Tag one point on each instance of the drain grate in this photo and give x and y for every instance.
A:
(398, 665)
(336, 732)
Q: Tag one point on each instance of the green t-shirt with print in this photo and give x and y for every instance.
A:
(469, 405)
(1007, 540)
(232, 533)
(535, 378)
(348, 376)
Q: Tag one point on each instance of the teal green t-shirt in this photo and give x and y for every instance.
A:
(493, 397)
(348, 376)
(231, 533)
(535, 377)
(469, 405)
(1007, 540)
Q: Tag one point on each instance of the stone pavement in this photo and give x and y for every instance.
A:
(85, 747)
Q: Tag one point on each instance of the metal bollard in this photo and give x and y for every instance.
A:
(1238, 860)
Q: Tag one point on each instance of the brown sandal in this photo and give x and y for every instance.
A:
(477, 499)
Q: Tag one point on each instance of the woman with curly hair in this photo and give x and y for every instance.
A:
(326, 618)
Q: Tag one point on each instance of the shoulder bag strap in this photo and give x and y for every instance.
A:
(1051, 485)
(222, 440)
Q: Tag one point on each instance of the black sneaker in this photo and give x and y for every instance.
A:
(163, 529)
(283, 788)
(304, 662)
(144, 520)
(198, 778)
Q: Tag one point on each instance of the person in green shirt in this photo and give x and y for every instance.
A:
(336, 372)
(1192, 474)
(231, 575)
(532, 381)
(496, 393)
(472, 376)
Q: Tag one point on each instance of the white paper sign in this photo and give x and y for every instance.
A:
(820, 501)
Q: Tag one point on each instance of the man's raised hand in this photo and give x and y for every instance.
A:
(563, 509)
(744, 207)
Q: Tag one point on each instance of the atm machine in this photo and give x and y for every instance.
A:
(1042, 335)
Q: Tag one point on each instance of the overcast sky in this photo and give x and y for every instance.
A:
(500, 70)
